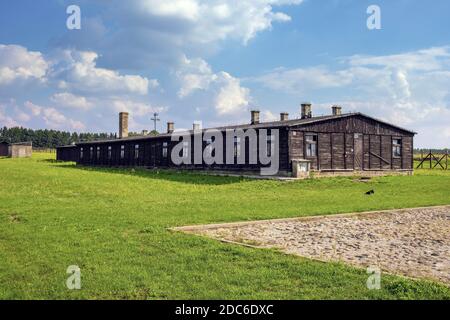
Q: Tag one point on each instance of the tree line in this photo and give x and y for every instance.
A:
(48, 138)
(44, 138)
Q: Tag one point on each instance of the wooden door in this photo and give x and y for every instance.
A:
(358, 151)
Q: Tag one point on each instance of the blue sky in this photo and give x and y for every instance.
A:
(216, 60)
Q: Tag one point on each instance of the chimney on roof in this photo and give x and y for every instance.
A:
(337, 110)
(123, 125)
(255, 117)
(284, 116)
(306, 110)
(196, 126)
(170, 127)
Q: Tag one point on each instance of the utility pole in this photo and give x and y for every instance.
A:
(155, 119)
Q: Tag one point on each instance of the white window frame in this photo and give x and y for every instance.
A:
(311, 152)
(136, 152)
(164, 150)
(122, 152)
(397, 147)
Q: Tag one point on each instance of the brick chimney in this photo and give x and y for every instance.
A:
(196, 126)
(123, 125)
(337, 110)
(284, 116)
(255, 117)
(170, 127)
(306, 110)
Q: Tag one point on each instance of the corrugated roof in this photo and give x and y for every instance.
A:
(273, 124)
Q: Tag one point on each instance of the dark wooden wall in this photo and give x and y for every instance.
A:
(3, 150)
(336, 145)
(335, 142)
(151, 154)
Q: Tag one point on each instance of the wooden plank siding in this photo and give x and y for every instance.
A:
(336, 145)
(335, 148)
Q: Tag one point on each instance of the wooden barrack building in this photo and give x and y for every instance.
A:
(336, 144)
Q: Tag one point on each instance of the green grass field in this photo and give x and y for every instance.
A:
(113, 224)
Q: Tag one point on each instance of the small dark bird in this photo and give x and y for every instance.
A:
(370, 192)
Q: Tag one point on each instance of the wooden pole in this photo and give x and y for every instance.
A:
(431, 163)
(446, 160)
(421, 157)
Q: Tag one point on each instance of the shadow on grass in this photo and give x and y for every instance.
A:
(50, 161)
(183, 176)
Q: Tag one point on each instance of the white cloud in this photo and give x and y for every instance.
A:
(136, 108)
(229, 97)
(408, 89)
(195, 74)
(34, 109)
(232, 98)
(19, 64)
(69, 100)
(5, 119)
(77, 70)
(268, 116)
(304, 79)
(206, 21)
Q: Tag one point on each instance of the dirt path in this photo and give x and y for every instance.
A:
(411, 242)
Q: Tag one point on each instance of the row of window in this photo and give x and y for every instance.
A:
(311, 146)
(122, 152)
(237, 149)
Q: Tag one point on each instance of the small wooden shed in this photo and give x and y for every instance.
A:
(16, 150)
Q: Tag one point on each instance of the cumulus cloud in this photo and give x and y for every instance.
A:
(69, 100)
(194, 74)
(77, 70)
(157, 32)
(232, 98)
(229, 97)
(136, 108)
(18, 64)
(409, 89)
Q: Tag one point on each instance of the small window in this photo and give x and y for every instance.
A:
(98, 153)
(311, 145)
(237, 146)
(397, 148)
(185, 149)
(81, 153)
(164, 150)
(91, 154)
(136, 151)
(109, 152)
(122, 152)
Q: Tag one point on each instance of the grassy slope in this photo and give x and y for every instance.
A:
(113, 224)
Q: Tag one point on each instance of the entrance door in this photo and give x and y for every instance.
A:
(358, 151)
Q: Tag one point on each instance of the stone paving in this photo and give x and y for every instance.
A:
(411, 242)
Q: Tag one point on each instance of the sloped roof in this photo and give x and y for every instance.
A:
(262, 125)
